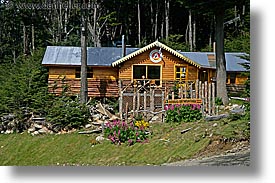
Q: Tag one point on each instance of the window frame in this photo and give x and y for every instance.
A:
(146, 75)
(175, 72)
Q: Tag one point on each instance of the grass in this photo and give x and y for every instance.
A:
(166, 145)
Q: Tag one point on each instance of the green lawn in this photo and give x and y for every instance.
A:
(167, 144)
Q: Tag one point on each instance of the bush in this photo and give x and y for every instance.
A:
(183, 113)
(121, 132)
(218, 101)
(67, 113)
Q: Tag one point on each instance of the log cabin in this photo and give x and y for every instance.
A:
(156, 63)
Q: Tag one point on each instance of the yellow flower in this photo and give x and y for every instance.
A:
(142, 123)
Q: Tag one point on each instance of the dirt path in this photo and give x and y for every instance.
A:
(230, 158)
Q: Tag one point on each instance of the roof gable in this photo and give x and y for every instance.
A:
(155, 44)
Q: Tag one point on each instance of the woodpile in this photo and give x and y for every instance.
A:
(35, 125)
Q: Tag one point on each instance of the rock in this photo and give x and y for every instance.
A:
(217, 117)
(37, 126)
(96, 123)
(35, 133)
(88, 126)
(154, 119)
(32, 129)
(99, 138)
(8, 117)
(215, 124)
(43, 130)
(96, 117)
(235, 106)
(237, 111)
(8, 132)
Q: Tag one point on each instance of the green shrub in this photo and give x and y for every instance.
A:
(183, 113)
(218, 101)
(67, 113)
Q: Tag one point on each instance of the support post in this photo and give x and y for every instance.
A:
(213, 99)
(120, 99)
(144, 102)
(209, 99)
(206, 96)
(152, 101)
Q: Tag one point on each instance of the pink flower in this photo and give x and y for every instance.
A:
(172, 107)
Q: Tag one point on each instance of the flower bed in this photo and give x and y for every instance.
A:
(121, 132)
(183, 113)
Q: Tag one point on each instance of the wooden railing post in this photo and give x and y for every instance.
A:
(205, 96)
(213, 99)
(209, 99)
(120, 100)
(144, 102)
(152, 101)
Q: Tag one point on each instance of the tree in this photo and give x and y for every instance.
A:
(218, 8)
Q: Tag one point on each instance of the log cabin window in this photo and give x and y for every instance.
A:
(231, 78)
(180, 73)
(151, 72)
(89, 72)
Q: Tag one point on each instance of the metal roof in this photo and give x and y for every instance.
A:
(71, 56)
(112, 56)
(233, 60)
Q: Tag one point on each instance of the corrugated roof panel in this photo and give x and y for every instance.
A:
(199, 57)
(60, 55)
(64, 55)
(105, 56)
(234, 61)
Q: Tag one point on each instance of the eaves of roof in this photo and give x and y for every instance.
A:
(155, 44)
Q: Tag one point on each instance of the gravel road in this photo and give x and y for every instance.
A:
(239, 158)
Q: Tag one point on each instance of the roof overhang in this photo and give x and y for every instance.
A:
(155, 44)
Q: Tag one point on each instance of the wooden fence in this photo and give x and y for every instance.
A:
(135, 98)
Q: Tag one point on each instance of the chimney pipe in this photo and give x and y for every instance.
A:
(214, 46)
(123, 46)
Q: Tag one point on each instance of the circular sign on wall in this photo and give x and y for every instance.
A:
(156, 56)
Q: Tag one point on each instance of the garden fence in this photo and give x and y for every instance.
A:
(138, 98)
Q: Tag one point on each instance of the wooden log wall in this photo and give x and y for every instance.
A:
(167, 64)
(96, 87)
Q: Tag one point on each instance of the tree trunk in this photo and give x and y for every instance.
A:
(194, 35)
(94, 27)
(156, 21)
(84, 84)
(167, 19)
(152, 19)
(139, 39)
(33, 47)
(220, 58)
(190, 32)
(25, 40)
